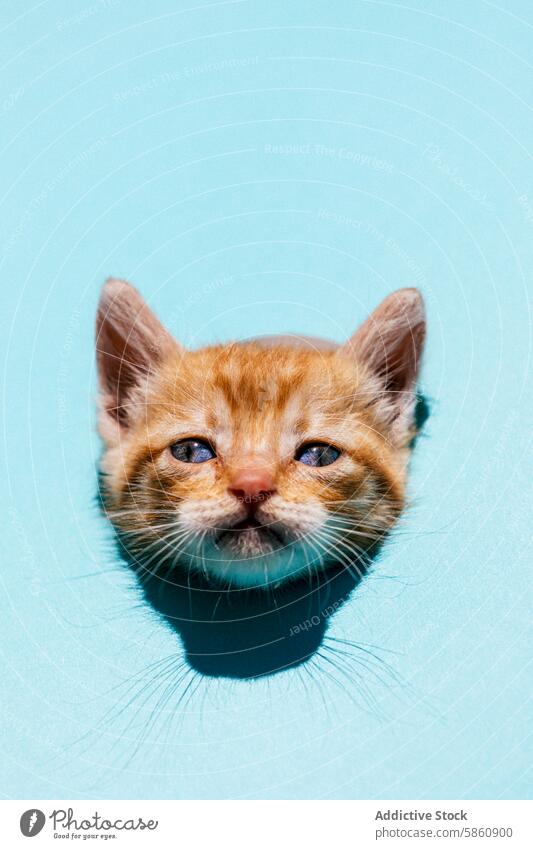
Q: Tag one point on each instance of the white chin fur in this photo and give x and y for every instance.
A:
(261, 571)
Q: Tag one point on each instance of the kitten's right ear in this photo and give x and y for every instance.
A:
(130, 343)
(390, 343)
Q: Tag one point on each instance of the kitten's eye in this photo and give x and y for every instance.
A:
(317, 454)
(192, 451)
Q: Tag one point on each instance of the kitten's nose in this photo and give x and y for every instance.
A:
(252, 484)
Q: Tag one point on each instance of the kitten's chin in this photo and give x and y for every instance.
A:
(250, 539)
(253, 558)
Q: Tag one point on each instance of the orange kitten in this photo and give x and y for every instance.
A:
(259, 461)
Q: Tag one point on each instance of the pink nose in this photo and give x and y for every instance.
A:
(252, 484)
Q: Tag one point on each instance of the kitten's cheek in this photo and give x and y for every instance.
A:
(198, 478)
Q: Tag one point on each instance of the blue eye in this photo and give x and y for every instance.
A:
(317, 454)
(192, 451)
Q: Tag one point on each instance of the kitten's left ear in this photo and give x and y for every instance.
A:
(390, 343)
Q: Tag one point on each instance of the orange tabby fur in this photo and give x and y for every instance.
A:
(256, 402)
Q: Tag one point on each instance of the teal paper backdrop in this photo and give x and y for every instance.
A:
(257, 167)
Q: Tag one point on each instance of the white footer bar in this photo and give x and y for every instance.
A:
(268, 824)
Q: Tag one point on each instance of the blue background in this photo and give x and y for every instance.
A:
(256, 167)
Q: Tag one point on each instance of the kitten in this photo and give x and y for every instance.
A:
(260, 461)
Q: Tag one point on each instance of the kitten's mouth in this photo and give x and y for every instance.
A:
(250, 538)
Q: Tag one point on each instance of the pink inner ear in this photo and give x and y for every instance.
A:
(390, 343)
(130, 343)
(398, 361)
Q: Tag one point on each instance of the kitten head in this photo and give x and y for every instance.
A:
(259, 461)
